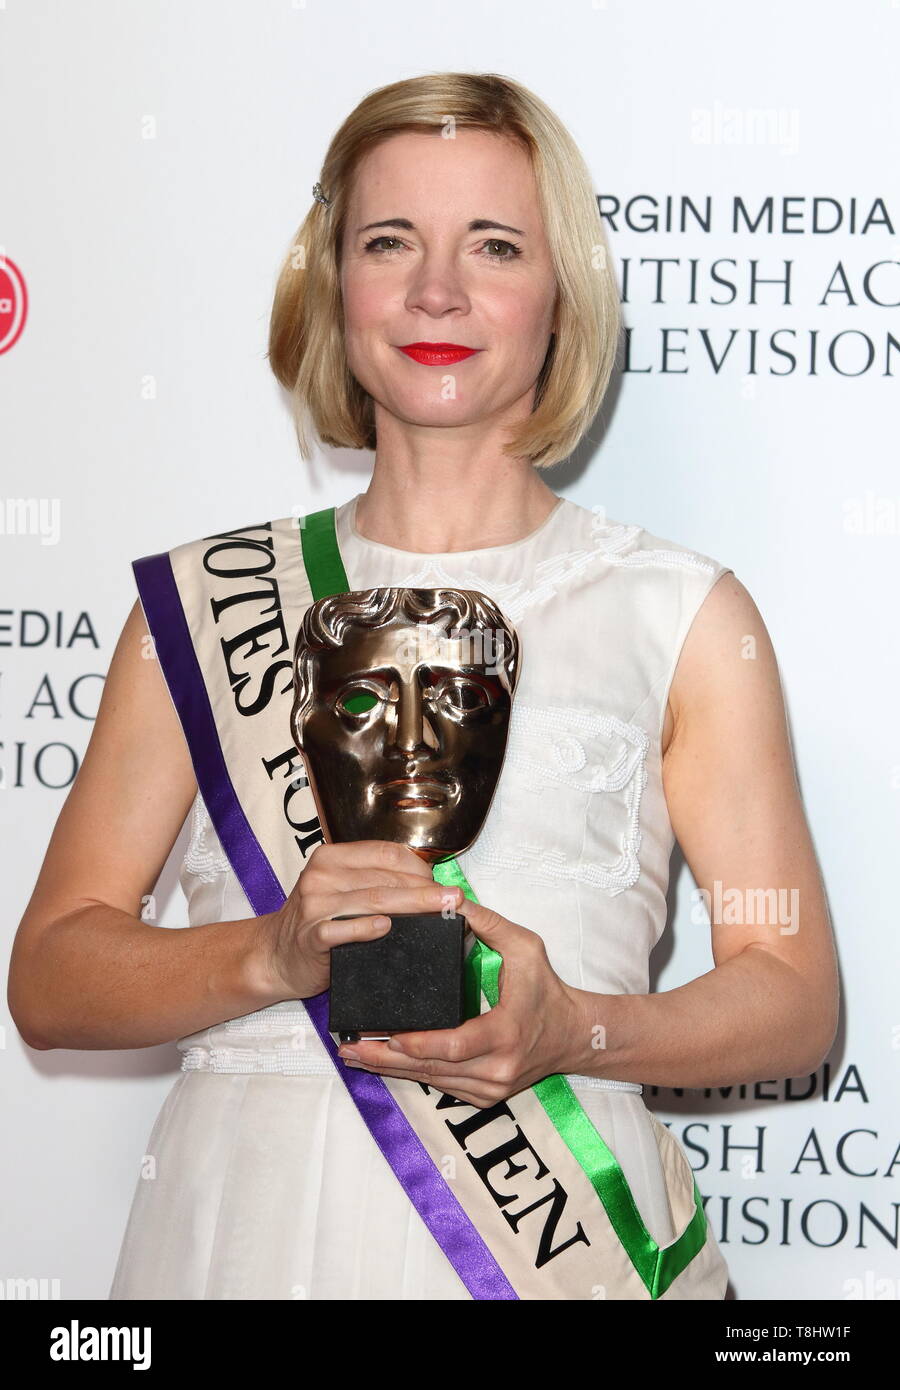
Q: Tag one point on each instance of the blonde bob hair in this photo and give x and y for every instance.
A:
(306, 340)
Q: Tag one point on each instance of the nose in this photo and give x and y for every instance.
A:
(437, 285)
(409, 732)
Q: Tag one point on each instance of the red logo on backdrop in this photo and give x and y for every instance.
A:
(13, 303)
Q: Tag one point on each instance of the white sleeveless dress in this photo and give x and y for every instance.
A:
(260, 1179)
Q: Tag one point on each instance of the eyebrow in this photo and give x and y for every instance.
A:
(473, 669)
(481, 224)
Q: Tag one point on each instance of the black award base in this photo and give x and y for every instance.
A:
(409, 979)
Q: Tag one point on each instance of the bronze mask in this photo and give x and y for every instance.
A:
(401, 710)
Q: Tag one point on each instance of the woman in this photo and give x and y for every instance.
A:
(447, 302)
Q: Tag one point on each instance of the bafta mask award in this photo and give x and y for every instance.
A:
(401, 710)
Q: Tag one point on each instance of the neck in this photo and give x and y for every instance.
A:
(430, 495)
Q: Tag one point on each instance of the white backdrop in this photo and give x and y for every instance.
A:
(158, 157)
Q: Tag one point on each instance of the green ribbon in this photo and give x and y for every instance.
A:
(657, 1266)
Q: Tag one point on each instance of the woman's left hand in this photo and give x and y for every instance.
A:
(533, 1031)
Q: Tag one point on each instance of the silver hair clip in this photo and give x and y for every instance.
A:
(320, 196)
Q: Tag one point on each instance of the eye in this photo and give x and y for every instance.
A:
(370, 245)
(357, 700)
(510, 251)
(513, 249)
(460, 696)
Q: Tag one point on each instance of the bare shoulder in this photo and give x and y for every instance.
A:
(727, 652)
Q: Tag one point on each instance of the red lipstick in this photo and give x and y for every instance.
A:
(437, 354)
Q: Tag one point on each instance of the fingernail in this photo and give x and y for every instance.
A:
(349, 1053)
(394, 1045)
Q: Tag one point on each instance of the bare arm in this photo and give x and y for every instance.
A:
(87, 972)
(769, 1008)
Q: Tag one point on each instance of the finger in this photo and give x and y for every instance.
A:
(373, 854)
(340, 880)
(329, 933)
(477, 1037)
(383, 1056)
(493, 929)
(430, 897)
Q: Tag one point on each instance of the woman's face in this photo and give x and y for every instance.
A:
(424, 274)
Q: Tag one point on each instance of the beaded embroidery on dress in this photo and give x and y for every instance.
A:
(202, 858)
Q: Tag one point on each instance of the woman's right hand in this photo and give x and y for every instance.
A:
(359, 877)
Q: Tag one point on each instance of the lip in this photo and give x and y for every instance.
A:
(416, 791)
(437, 354)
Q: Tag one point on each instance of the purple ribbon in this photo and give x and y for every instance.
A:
(414, 1167)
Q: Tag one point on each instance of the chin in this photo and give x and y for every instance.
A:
(433, 412)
